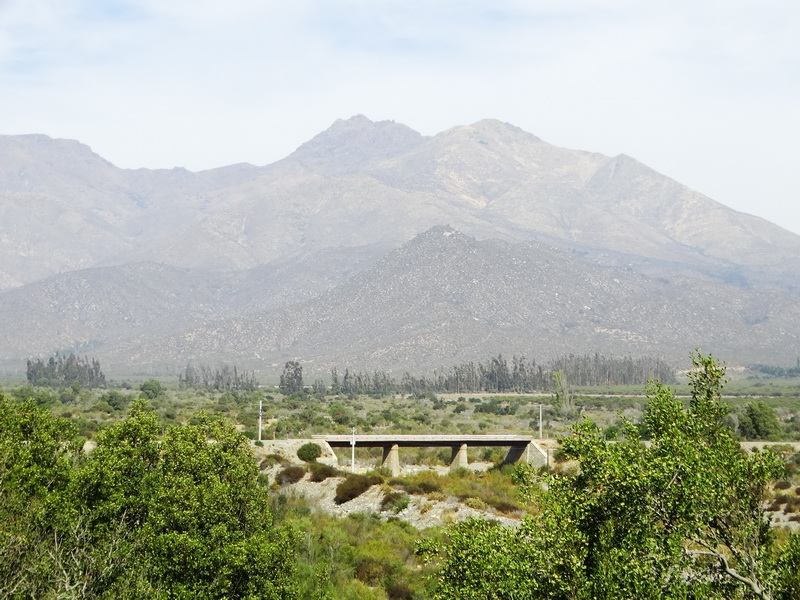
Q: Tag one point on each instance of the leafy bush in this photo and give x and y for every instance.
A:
(320, 472)
(373, 571)
(353, 486)
(429, 486)
(309, 452)
(103, 406)
(475, 503)
(271, 460)
(395, 501)
(291, 474)
(399, 590)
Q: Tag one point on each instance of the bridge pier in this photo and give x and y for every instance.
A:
(391, 459)
(459, 458)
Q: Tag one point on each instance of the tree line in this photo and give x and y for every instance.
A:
(64, 371)
(781, 372)
(226, 378)
(498, 374)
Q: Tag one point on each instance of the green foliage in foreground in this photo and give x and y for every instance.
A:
(180, 516)
(360, 557)
(680, 518)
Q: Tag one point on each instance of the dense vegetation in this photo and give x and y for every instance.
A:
(171, 503)
(142, 516)
(680, 518)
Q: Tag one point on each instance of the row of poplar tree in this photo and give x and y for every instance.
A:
(498, 374)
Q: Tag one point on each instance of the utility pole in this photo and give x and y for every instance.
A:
(259, 420)
(541, 437)
(353, 452)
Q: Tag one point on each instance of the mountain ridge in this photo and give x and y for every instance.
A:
(316, 229)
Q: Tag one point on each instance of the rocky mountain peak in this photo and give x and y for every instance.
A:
(354, 144)
(487, 132)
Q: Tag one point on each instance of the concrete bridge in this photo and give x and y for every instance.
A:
(520, 447)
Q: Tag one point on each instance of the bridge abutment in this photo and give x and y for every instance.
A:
(531, 454)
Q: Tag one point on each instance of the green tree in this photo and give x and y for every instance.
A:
(142, 516)
(563, 399)
(209, 533)
(759, 422)
(292, 378)
(680, 518)
(152, 389)
(37, 452)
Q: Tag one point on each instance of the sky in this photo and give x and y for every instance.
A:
(704, 91)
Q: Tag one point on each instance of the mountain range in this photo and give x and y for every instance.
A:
(372, 246)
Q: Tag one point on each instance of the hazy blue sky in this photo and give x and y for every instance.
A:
(707, 92)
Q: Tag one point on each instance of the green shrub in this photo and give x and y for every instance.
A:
(395, 501)
(309, 452)
(381, 473)
(429, 486)
(475, 503)
(373, 571)
(399, 590)
(271, 460)
(320, 472)
(412, 488)
(353, 486)
(505, 507)
(291, 474)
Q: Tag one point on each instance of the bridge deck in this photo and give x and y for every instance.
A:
(425, 441)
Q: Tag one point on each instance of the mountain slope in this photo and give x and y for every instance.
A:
(315, 256)
(445, 298)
